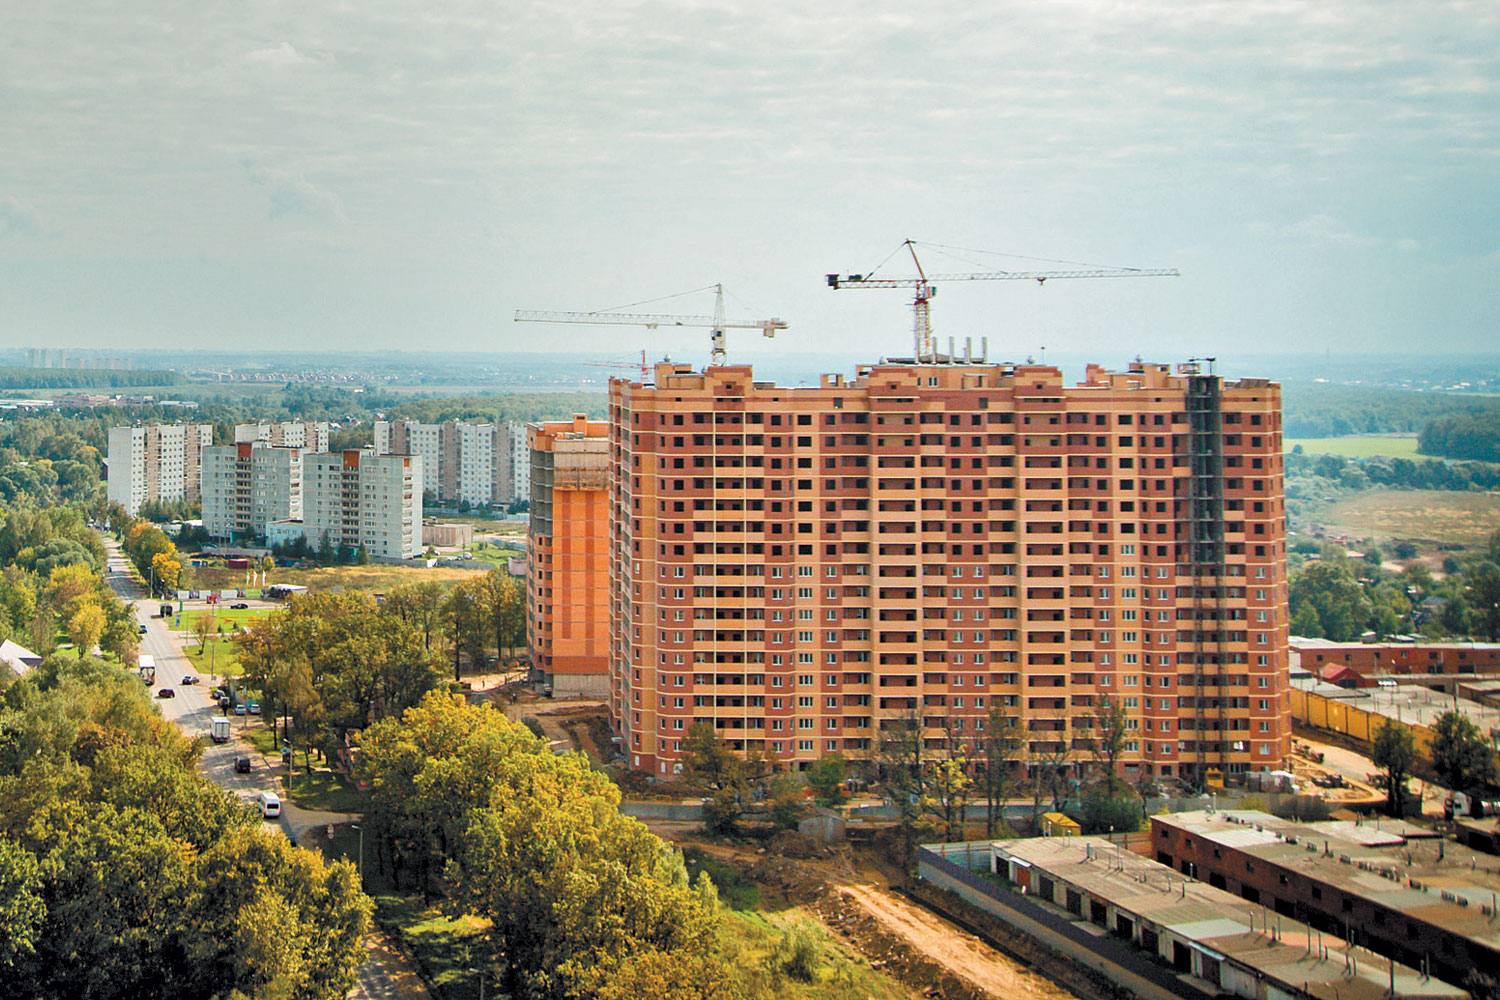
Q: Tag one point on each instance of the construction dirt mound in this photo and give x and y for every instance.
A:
(891, 953)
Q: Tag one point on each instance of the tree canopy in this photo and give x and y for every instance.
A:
(579, 898)
(125, 873)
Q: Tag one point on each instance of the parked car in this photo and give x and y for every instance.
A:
(253, 707)
(224, 701)
(215, 693)
(190, 679)
(242, 765)
(166, 693)
(239, 708)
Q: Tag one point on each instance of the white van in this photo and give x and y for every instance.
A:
(270, 805)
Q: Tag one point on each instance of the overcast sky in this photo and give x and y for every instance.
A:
(395, 174)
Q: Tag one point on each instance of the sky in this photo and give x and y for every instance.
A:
(389, 174)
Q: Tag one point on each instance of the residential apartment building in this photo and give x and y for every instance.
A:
(359, 498)
(463, 462)
(248, 485)
(156, 462)
(807, 569)
(310, 435)
(567, 556)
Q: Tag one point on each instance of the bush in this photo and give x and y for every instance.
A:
(796, 954)
(1122, 814)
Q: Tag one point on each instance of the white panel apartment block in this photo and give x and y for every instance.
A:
(156, 462)
(355, 498)
(248, 485)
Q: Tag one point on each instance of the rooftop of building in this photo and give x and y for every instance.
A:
(1414, 642)
(1278, 948)
(1392, 864)
(966, 371)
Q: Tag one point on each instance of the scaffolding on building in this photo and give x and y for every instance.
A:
(1206, 564)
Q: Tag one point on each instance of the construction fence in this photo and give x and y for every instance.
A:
(1330, 715)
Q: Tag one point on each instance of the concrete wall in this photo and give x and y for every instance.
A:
(579, 685)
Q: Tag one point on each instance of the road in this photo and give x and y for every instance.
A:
(387, 973)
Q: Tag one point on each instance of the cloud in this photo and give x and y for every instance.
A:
(18, 217)
(290, 193)
(1326, 229)
(279, 56)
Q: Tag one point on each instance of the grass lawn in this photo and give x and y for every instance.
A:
(443, 949)
(1358, 445)
(218, 657)
(322, 789)
(1439, 516)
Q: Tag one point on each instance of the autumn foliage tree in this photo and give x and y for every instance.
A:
(580, 901)
(126, 873)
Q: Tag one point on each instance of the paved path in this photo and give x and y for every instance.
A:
(387, 973)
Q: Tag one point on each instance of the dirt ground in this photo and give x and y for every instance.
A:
(959, 954)
(851, 891)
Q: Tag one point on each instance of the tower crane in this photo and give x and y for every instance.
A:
(924, 286)
(642, 367)
(716, 323)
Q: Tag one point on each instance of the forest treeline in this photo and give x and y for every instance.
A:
(84, 378)
(1316, 411)
(1474, 437)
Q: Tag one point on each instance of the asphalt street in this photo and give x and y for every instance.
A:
(387, 974)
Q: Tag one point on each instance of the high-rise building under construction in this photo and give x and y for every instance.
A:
(806, 569)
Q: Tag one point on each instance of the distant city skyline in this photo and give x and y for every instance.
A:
(395, 177)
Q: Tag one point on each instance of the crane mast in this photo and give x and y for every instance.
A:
(717, 323)
(924, 288)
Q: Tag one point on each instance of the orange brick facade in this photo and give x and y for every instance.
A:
(804, 568)
(567, 590)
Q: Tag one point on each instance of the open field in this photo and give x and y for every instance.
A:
(376, 578)
(1438, 516)
(1358, 446)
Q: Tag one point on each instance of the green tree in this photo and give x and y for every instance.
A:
(1394, 752)
(1329, 588)
(1462, 758)
(419, 605)
(469, 622)
(1484, 597)
(578, 900)
(825, 776)
(998, 766)
(22, 908)
(732, 781)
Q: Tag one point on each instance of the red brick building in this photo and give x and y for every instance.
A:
(805, 568)
(1371, 658)
(1399, 891)
(567, 557)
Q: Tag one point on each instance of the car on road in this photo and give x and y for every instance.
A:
(241, 606)
(190, 679)
(242, 765)
(239, 708)
(270, 805)
(143, 628)
(166, 693)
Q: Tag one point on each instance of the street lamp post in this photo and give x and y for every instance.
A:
(361, 866)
